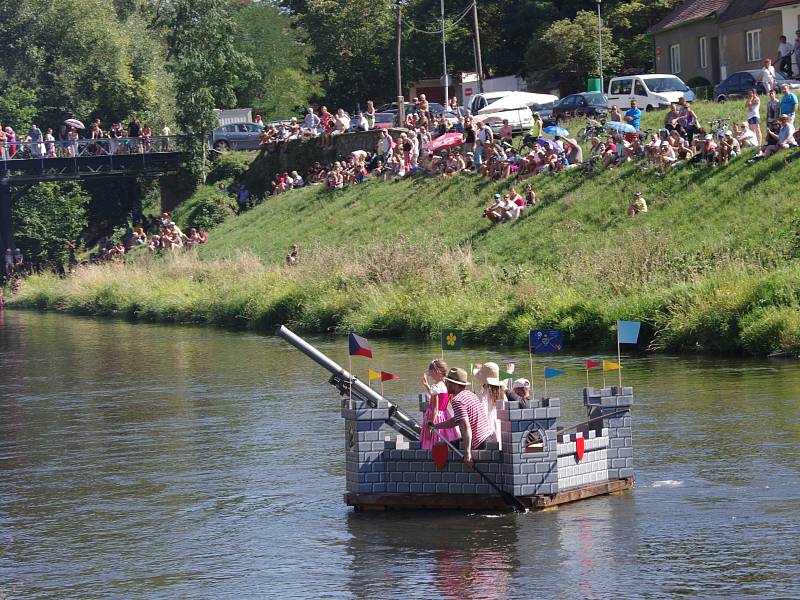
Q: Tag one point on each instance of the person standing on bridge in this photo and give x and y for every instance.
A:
(35, 137)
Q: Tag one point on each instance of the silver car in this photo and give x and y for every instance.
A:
(237, 136)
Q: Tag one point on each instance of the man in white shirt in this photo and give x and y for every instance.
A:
(767, 77)
(784, 59)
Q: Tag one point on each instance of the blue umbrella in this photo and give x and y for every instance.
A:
(620, 126)
(543, 141)
(555, 130)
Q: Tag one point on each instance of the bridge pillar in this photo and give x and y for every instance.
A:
(6, 231)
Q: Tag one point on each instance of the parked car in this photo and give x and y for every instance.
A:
(237, 136)
(477, 102)
(738, 84)
(579, 105)
(384, 120)
(649, 91)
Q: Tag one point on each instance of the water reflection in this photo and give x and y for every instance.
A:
(152, 461)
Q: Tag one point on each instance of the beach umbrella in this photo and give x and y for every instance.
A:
(555, 130)
(620, 127)
(448, 140)
(547, 142)
(75, 123)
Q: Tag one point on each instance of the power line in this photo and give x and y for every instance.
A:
(450, 27)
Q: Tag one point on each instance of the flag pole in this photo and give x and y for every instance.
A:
(530, 357)
(587, 377)
(619, 360)
(381, 386)
(545, 388)
(350, 372)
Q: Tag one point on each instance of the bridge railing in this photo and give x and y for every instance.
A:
(26, 150)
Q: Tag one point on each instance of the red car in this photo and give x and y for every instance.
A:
(384, 120)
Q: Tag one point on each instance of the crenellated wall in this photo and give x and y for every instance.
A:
(536, 460)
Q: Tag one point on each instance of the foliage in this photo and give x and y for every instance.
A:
(706, 269)
(571, 51)
(208, 207)
(230, 165)
(77, 58)
(207, 68)
(47, 217)
(17, 107)
(630, 21)
(280, 84)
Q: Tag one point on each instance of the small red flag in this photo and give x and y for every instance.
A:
(388, 376)
(579, 447)
(590, 364)
(439, 452)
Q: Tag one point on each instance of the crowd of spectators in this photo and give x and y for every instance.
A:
(73, 138)
(157, 234)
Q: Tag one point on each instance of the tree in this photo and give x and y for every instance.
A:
(567, 51)
(630, 22)
(17, 107)
(47, 217)
(280, 82)
(207, 68)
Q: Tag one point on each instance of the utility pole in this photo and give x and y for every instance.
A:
(399, 32)
(444, 61)
(600, 38)
(478, 60)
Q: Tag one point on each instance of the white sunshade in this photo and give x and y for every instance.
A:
(517, 100)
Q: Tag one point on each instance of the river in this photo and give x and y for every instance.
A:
(150, 461)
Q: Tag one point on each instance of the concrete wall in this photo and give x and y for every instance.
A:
(689, 39)
(300, 155)
(733, 41)
(378, 463)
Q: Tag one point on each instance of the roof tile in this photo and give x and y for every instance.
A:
(690, 11)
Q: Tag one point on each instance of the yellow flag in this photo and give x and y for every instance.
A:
(374, 374)
(610, 366)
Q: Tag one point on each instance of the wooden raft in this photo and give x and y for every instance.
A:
(384, 502)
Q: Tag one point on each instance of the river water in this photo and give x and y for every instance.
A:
(174, 462)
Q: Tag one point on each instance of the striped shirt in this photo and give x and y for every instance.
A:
(467, 405)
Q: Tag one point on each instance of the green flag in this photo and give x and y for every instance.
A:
(506, 375)
(451, 339)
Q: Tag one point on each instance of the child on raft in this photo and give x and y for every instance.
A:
(438, 401)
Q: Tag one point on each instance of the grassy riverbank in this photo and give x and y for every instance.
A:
(712, 267)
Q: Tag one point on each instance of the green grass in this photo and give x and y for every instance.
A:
(711, 267)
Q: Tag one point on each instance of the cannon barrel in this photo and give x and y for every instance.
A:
(342, 379)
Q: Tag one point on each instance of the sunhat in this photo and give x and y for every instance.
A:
(489, 373)
(457, 376)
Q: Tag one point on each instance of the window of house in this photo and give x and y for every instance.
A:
(675, 58)
(702, 52)
(753, 45)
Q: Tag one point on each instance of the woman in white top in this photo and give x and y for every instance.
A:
(753, 105)
(491, 394)
(768, 76)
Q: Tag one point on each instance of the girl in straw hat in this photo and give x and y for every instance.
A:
(438, 404)
(488, 375)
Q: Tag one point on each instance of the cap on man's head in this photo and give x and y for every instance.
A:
(521, 383)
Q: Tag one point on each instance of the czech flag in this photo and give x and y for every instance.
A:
(388, 376)
(359, 346)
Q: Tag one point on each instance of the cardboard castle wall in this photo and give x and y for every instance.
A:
(379, 464)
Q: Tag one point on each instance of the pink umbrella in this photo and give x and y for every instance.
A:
(448, 140)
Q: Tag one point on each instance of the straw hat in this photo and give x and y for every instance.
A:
(489, 373)
(457, 376)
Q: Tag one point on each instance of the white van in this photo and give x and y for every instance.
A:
(649, 91)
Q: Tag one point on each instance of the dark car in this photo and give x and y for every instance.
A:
(580, 105)
(738, 84)
(237, 136)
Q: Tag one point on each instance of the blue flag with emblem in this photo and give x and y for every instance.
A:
(545, 340)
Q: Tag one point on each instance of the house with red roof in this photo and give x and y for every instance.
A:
(712, 39)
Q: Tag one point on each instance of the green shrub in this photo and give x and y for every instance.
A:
(229, 166)
(206, 208)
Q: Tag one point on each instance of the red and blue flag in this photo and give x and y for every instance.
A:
(359, 346)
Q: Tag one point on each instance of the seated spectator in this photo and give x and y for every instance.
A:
(745, 135)
(573, 153)
(342, 122)
(506, 135)
(502, 210)
(667, 156)
(638, 205)
(293, 257)
(298, 181)
(785, 137)
(360, 123)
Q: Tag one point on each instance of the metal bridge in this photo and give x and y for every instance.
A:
(25, 163)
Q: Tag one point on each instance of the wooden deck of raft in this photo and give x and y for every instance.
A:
(383, 502)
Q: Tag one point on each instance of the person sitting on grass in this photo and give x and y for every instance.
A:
(667, 156)
(728, 146)
(506, 135)
(785, 137)
(293, 258)
(745, 135)
(638, 205)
